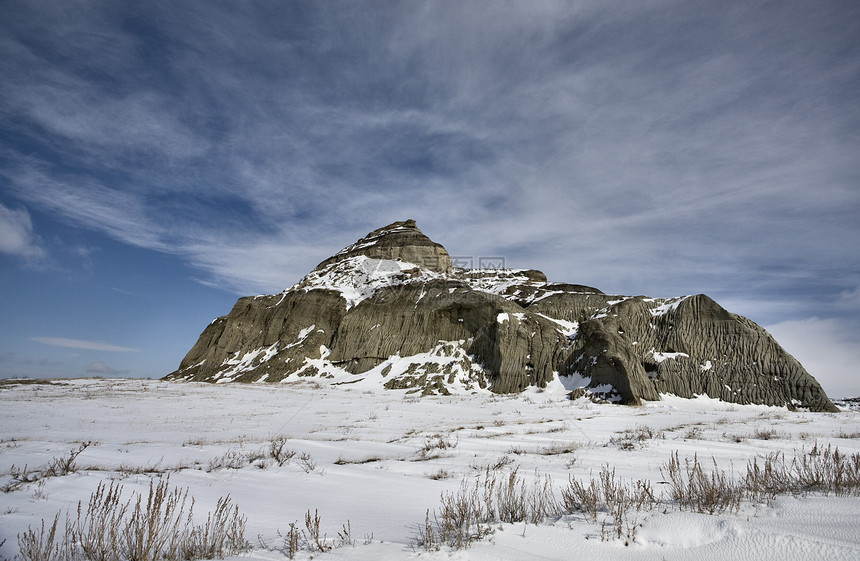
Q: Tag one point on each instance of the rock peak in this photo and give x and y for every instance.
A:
(398, 241)
(408, 223)
(390, 311)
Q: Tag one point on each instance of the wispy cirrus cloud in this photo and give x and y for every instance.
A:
(88, 202)
(667, 147)
(17, 236)
(82, 345)
(652, 147)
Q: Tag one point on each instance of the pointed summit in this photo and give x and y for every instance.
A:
(399, 240)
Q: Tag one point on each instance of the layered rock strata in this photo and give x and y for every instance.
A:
(393, 307)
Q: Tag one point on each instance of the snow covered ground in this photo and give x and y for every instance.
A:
(379, 459)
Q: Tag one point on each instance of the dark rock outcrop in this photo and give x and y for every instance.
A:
(393, 306)
(401, 240)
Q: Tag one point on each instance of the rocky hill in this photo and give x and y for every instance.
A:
(393, 307)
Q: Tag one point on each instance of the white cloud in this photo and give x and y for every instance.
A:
(829, 349)
(83, 345)
(273, 265)
(17, 236)
(121, 215)
(608, 144)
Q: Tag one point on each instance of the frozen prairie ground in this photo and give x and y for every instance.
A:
(380, 459)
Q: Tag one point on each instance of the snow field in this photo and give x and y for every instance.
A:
(380, 459)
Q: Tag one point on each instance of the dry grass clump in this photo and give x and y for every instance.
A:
(693, 433)
(764, 434)
(847, 435)
(613, 498)
(278, 453)
(440, 475)
(341, 461)
(315, 539)
(819, 470)
(635, 438)
(695, 489)
(312, 539)
(435, 445)
(736, 438)
(607, 494)
(467, 515)
(307, 462)
(273, 453)
(8, 382)
(231, 459)
(158, 528)
(501, 463)
(57, 467)
(816, 471)
(559, 448)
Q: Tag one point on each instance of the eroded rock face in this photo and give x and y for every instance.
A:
(399, 241)
(392, 307)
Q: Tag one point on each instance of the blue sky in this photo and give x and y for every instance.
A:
(160, 159)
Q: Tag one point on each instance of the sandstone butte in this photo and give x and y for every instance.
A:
(393, 306)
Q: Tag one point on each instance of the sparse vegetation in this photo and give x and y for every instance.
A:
(278, 452)
(624, 491)
(231, 459)
(764, 434)
(558, 448)
(440, 474)
(311, 538)
(848, 435)
(292, 540)
(126, 470)
(468, 514)
(57, 467)
(275, 452)
(314, 538)
(696, 490)
(307, 462)
(693, 433)
(434, 445)
(607, 494)
(158, 528)
(633, 439)
(366, 460)
(820, 470)
(9, 382)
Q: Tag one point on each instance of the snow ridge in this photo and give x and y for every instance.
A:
(358, 278)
